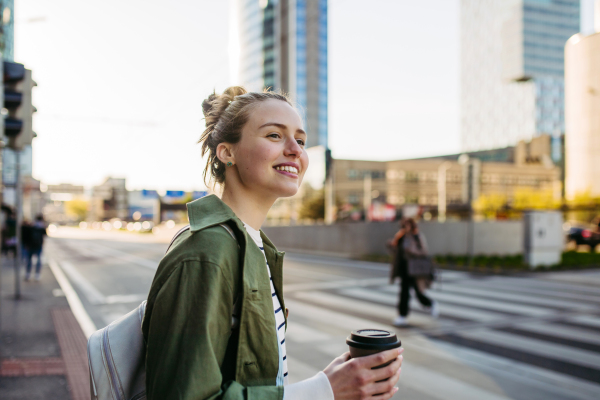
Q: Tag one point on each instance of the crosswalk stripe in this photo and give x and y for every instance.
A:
(300, 371)
(538, 347)
(352, 306)
(552, 293)
(445, 387)
(588, 320)
(491, 304)
(295, 287)
(299, 272)
(336, 322)
(560, 331)
(481, 303)
(302, 334)
(521, 298)
(547, 285)
(472, 314)
(541, 378)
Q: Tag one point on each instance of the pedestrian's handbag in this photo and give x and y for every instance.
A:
(117, 353)
(420, 267)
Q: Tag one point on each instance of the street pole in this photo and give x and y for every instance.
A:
(19, 222)
(329, 201)
(441, 187)
(367, 187)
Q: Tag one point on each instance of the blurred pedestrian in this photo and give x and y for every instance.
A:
(9, 232)
(33, 242)
(416, 266)
(396, 246)
(215, 320)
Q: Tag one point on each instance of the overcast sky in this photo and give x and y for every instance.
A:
(120, 83)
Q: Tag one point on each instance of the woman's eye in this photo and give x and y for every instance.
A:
(300, 142)
(274, 135)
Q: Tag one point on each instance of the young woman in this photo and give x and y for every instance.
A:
(413, 246)
(215, 319)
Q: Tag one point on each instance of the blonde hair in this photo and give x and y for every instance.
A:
(225, 115)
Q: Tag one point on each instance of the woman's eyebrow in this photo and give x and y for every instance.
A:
(280, 126)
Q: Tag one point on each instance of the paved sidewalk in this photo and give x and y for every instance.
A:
(42, 348)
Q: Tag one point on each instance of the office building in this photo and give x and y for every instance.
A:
(512, 70)
(109, 200)
(501, 172)
(508, 175)
(283, 46)
(582, 95)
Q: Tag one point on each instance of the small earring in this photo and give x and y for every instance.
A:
(229, 163)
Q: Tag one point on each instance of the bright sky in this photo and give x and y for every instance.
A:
(120, 84)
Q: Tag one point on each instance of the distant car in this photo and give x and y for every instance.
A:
(583, 235)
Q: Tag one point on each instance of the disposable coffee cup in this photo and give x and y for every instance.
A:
(365, 342)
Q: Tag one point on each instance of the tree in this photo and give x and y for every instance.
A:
(77, 209)
(528, 198)
(490, 204)
(313, 206)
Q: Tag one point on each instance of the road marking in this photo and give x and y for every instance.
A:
(586, 320)
(531, 375)
(518, 298)
(301, 333)
(294, 287)
(534, 346)
(561, 331)
(382, 296)
(91, 293)
(87, 325)
(125, 298)
(340, 263)
(421, 378)
(123, 256)
(355, 305)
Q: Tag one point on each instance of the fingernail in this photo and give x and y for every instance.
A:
(401, 358)
(396, 390)
(400, 350)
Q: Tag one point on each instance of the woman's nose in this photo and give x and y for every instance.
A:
(292, 148)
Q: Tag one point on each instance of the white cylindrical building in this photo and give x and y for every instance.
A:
(582, 115)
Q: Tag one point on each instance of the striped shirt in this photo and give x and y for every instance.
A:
(282, 374)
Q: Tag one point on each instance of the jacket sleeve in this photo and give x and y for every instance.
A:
(188, 332)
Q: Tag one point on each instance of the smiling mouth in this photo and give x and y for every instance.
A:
(287, 168)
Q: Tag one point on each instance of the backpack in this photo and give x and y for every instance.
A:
(36, 237)
(117, 353)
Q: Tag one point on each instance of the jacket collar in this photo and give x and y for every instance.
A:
(209, 211)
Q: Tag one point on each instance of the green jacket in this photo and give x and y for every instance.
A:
(192, 352)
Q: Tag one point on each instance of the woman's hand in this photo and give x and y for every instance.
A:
(354, 379)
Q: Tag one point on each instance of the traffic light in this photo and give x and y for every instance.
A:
(17, 103)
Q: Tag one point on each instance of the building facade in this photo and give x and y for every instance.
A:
(501, 172)
(109, 200)
(283, 46)
(582, 142)
(512, 70)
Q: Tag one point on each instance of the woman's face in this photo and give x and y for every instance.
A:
(270, 155)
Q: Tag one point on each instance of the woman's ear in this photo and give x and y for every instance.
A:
(225, 154)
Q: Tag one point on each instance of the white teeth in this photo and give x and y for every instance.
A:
(287, 168)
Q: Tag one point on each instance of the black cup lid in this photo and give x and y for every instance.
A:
(373, 339)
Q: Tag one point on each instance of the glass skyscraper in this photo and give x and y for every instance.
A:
(283, 46)
(7, 29)
(512, 69)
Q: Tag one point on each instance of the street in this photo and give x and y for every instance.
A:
(497, 337)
